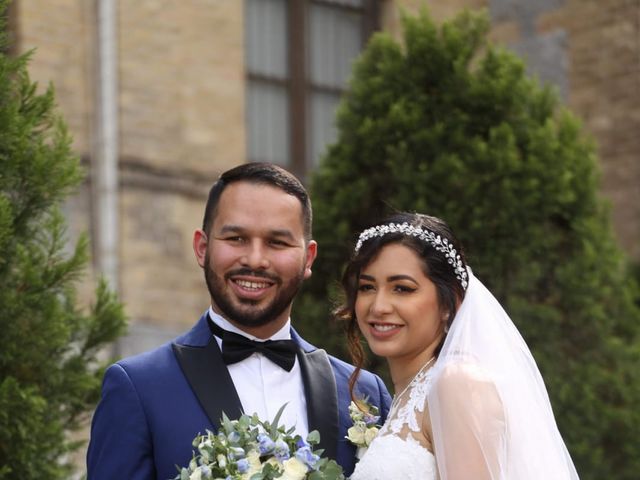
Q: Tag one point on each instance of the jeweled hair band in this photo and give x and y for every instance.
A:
(436, 241)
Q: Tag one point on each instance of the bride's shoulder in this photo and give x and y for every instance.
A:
(460, 371)
(464, 381)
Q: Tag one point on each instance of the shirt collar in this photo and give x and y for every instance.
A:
(283, 334)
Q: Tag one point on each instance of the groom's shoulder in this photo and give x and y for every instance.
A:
(163, 356)
(143, 373)
(150, 366)
(344, 370)
(156, 361)
(340, 365)
(154, 357)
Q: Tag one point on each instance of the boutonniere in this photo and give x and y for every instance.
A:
(365, 418)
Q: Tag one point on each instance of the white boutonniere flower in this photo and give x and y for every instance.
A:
(365, 418)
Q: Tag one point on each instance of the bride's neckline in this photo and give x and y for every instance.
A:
(416, 375)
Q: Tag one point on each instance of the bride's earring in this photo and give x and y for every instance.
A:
(445, 318)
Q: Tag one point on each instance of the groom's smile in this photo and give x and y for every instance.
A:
(251, 288)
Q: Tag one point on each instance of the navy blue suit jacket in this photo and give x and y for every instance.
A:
(155, 403)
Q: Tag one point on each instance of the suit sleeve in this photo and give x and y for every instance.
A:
(385, 399)
(120, 445)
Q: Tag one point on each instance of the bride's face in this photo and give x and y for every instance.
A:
(397, 306)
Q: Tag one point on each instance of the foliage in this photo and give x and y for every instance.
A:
(446, 124)
(49, 373)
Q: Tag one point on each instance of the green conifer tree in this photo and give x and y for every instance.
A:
(446, 124)
(49, 372)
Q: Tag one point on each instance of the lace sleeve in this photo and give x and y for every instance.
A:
(468, 424)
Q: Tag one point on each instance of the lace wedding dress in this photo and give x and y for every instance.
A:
(398, 452)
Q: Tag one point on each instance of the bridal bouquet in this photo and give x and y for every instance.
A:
(251, 449)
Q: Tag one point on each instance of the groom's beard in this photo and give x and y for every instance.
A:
(247, 312)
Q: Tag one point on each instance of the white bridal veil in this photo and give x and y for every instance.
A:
(488, 405)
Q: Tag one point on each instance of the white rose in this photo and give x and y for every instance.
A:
(196, 475)
(356, 435)
(294, 469)
(369, 435)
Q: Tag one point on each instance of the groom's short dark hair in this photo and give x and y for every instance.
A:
(262, 174)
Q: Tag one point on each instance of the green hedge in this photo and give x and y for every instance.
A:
(49, 373)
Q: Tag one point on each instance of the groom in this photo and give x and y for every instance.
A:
(242, 355)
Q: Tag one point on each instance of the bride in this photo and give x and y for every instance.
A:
(470, 402)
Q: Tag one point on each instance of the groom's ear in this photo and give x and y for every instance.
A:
(200, 246)
(312, 253)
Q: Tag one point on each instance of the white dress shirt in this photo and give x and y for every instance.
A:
(263, 386)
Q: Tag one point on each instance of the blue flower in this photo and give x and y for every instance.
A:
(243, 465)
(281, 450)
(301, 443)
(306, 456)
(371, 420)
(265, 444)
(234, 437)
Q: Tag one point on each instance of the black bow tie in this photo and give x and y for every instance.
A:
(236, 348)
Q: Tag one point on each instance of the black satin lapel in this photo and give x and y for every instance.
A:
(210, 380)
(322, 398)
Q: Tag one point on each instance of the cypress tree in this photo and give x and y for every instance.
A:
(444, 123)
(49, 370)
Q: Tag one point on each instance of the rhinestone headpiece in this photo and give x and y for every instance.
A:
(436, 241)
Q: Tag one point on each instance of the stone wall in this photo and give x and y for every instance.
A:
(60, 33)
(182, 84)
(604, 79)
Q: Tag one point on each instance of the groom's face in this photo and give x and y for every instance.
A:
(255, 256)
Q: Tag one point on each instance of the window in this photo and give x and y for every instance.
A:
(299, 55)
